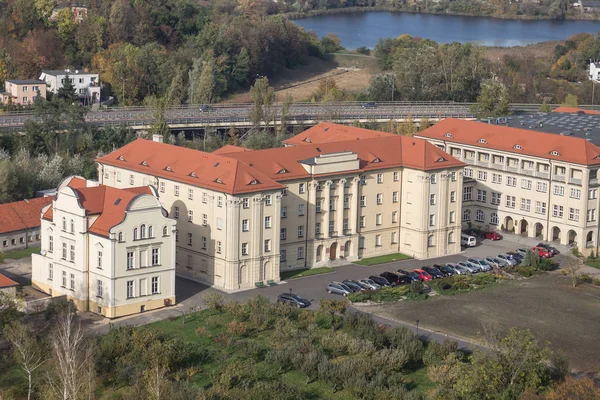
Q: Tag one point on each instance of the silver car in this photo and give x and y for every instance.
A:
(507, 259)
(493, 262)
(460, 270)
(471, 267)
(481, 264)
(502, 263)
(368, 283)
(339, 288)
(521, 252)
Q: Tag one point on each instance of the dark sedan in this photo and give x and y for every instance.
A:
(434, 272)
(379, 280)
(414, 277)
(448, 271)
(292, 300)
(355, 286)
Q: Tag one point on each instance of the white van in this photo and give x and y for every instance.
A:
(466, 240)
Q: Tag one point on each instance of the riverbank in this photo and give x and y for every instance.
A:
(317, 13)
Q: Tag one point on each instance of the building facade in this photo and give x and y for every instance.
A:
(112, 251)
(20, 223)
(334, 193)
(87, 85)
(23, 92)
(531, 183)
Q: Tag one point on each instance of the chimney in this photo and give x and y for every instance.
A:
(157, 138)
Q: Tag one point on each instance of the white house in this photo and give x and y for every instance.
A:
(112, 251)
(594, 73)
(86, 84)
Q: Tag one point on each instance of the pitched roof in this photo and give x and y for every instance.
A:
(22, 215)
(7, 282)
(515, 140)
(229, 148)
(326, 132)
(26, 81)
(574, 110)
(57, 72)
(213, 171)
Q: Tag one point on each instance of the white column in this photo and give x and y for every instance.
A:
(325, 209)
(354, 199)
(340, 208)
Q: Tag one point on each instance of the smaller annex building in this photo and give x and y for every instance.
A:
(112, 251)
(20, 223)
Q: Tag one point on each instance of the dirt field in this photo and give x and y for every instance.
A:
(543, 51)
(302, 81)
(569, 318)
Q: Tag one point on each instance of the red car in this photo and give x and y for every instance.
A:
(493, 236)
(422, 274)
(542, 252)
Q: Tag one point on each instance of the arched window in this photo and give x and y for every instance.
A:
(64, 223)
(480, 216)
(72, 226)
(165, 231)
(135, 233)
(150, 231)
(430, 241)
(142, 231)
(451, 237)
(120, 236)
(467, 215)
(494, 220)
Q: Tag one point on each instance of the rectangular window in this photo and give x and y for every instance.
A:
(219, 223)
(467, 193)
(118, 176)
(300, 253)
(468, 173)
(394, 237)
(282, 233)
(246, 202)
(331, 204)
(432, 200)
(301, 188)
(204, 219)
(574, 214)
(162, 187)
(204, 242)
(453, 197)
(317, 228)
(496, 178)
(511, 201)
(204, 198)
(190, 194)
(64, 279)
(346, 202)
(496, 198)
(433, 178)
(557, 211)
(190, 216)
(431, 219)
(176, 190)
(132, 180)
(395, 197)
(268, 200)
(50, 244)
(301, 231)
(345, 224)
(467, 215)
(100, 260)
(300, 209)
(379, 178)
(363, 223)
(190, 239)
(591, 215)
(394, 217)
(284, 212)
(378, 219)
(155, 285)
(218, 247)
(377, 240)
(593, 194)
(379, 198)
(453, 176)
(331, 226)
(481, 195)
(363, 201)
(526, 184)
(559, 190)
(72, 253)
(219, 201)
(525, 205)
(575, 193)
(130, 292)
(540, 207)
(244, 225)
(130, 264)
(318, 206)
(267, 222)
(50, 272)
(155, 257)
(511, 181)
(176, 214)
(284, 192)
(267, 245)
(452, 217)
(482, 176)
(396, 176)
(72, 281)
(542, 187)
(282, 255)
(244, 249)
(99, 291)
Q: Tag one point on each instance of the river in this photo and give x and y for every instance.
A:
(365, 28)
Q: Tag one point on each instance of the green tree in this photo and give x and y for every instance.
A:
(333, 307)
(571, 101)
(492, 102)
(382, 88)
(545, 107)
(67, 92)
(241, 69)
(263, 97)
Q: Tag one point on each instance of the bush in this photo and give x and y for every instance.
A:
(546, 264)
(416, 288)
(525, 271)
(237, 328)
(58, 307)
(385, 294)
(363, 50)
(585, 278)
(214, 300)
(596, 281)
(436, 352)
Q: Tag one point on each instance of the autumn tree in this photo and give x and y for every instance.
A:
(333, 307)
(263, 97)
(492, 102)
(575, 388)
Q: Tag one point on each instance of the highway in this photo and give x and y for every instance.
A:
(225, 115)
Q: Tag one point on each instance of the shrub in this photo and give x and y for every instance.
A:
(546, 264)
(58, 307)
(363, 50)
(436, 352)
(525, 271)
(596, 281)
(214, 300)
(237, 328)
(385, 294)
(416, 288)
(585, 278)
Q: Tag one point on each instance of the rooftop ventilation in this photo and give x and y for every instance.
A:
(307, 140)
(216, 165)
(193, 175)
(319, 149)
(441, 159)
(218, 180)
(326, 129)
(555, 153)
(253, 182)
(517, 147)
(448, 134)
(282, 171)
(482, 141)
(168, 169)
(376, 160)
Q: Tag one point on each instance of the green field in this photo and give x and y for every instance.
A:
(18, 254)
(383, 259)
(300, 273)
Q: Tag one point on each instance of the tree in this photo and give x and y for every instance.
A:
(575, 388)
(492, 102)
(531, 259)
(240, 71)
(571, 101)
(27, 351)
(9, 309)
(572, 271)
(263, 97)
(545, 107)
(332, 307)
(155, 374)
(382, 87)
(67, 92)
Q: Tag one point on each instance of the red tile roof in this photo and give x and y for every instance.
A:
(574, 110)
(7, 282)
(229, 148)
(326, 132)
(22, 215)
(528, 142)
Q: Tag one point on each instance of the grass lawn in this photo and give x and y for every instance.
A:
(299, 273)
(18, 254)
(593, 262)
(383, 259)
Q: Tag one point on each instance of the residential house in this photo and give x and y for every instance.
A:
(22, 91)
(20, 223)
(8, 286)
(87, 85)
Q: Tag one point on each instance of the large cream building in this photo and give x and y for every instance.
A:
(112, 251)
(536, 184)
(333, 193)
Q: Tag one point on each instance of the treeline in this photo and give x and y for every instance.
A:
(154, 47)
(259, 350)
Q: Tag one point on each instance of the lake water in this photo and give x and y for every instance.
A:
(365, 28)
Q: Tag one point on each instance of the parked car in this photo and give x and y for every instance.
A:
(542, 252)
(380, 280)
(339, 288)
(353, 285)
(515, 256)
(370, 104)
(471, 267)
(508, 259)
(422, 274)
(396, 279)
(414, 277)
(205, 108)
(491, 262)
(521, 251)
(493, 236)
(549, 248)
(480, 263)
(448, 271)
(370, 284)
(460, 270)
(468, 240)
(433, 271)
(501, 262)
(292, 300)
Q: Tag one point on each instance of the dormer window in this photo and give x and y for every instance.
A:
(144, 163)
(307, 140)
(218, 180)
(282, 171)
(517, 147)
(121, 158)
(168, 169)
(253, 182)
(193, 175)
(441, 159)
(482, 140)
(448, 134)
(555, 153)
(376, 160)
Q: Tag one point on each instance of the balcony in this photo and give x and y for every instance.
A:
(527, 172)
(484, 164)
(469, 161)
(575, 181)
(559, 178)
(543, 175)
(593, 182)
(512, 169)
